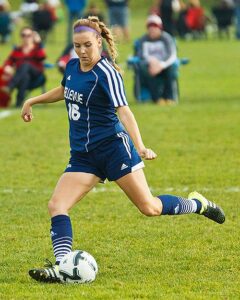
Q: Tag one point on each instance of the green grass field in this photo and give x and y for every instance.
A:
(184, 257)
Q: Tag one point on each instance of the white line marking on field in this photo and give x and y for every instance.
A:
(5, 114)
(184, 189)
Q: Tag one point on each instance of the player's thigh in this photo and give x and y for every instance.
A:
(136, 188)
(72, 187)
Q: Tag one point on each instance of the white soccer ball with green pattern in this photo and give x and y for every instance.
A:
(78, 267)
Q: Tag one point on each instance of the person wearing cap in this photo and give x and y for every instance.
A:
(157, 53)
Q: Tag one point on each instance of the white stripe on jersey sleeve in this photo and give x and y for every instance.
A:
(116, 84)
(121, 85)
(109, 83)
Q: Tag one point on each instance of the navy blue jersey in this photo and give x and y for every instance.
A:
(91, 99)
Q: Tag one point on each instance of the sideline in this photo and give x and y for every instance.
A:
(5, 114)
(227, 189)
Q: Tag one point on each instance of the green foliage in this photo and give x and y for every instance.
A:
(184, 257)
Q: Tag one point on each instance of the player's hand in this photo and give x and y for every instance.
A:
(26, 113)
(147, 154)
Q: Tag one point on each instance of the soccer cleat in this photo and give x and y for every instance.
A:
(209, 209)
(49, 274)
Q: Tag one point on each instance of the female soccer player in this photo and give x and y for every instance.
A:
(100, 146)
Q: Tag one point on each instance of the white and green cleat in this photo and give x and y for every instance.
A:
(209, 209)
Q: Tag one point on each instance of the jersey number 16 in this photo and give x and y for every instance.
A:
(73, 112)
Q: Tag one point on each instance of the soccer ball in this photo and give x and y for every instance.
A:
(78, 267)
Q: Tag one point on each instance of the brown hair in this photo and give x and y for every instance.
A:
(104, 32)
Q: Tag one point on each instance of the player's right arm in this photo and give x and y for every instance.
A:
(51, 96)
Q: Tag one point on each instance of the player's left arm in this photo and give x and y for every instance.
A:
(128, 120)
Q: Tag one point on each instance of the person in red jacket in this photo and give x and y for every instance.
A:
(195, 17)
(26, 62)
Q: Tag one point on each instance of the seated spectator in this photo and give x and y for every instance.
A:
(67, 54)
(191, 20)
(157, 52)
(43, 20)
(5, 22)
(195, 17)
(237, 13)
(54, 6)
(224, 14)
(5, 77)
(26, 62)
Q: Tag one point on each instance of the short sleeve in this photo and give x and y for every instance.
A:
(112, 83)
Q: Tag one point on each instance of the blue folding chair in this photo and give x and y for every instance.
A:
(141, 92)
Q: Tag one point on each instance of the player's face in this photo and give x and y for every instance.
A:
(88, 46)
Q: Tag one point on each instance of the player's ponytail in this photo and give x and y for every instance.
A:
(101, 28)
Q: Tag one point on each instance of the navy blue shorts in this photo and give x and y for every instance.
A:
(113, 159)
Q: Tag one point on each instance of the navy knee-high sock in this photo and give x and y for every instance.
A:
(61, 235)
(174, 205)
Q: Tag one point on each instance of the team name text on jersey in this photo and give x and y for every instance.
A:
(73, 95)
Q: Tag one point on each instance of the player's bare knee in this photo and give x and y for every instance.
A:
(54, 207)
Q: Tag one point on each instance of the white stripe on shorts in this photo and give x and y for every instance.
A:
(124, 138)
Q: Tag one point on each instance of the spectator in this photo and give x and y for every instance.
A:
(224, 13)
(75, 11)
(192, 20)
(5, 21)
(195, 17)
(182, 27)
(94, 11)
(67, 54)
(53, 6)
(237, 10)
(5, 77)
(43, 20)
(28, 7)
(118, 13)
(166, 11)
(27, 62)
(5, 4)
(157, 52)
